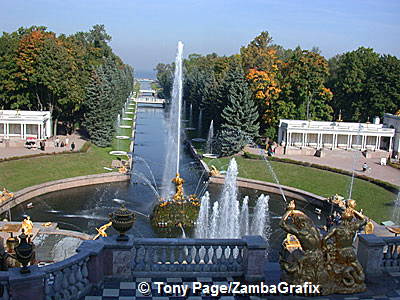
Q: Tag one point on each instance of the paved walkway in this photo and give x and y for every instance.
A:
(344, 160)
(386, 287)
(20, 150)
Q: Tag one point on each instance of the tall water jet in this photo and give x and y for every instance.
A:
(210, 138)
(261, 216)
(213, 233)
(355, 159)
(244, 217)
(202, 227)
(199, 124)
(229, 205)
(396, 210)
(174, 127)
(191, 114)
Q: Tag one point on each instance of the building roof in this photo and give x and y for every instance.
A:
(15, 116)
(336, 127)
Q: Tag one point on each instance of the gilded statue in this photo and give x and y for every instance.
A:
(5, 195)
(328, 261)
(102, 230)
(27, 226)
(178, 181)
(342, 262)
(305, 264)
(214, 171)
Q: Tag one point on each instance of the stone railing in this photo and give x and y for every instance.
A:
(378, 254)
(142, 257)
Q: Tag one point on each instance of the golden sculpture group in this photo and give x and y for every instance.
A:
(329, 261)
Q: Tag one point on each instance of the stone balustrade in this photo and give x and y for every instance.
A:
(378, 254)
(106, 258)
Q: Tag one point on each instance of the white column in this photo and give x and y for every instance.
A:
(305, 139)
(289, 138)
(376, 143)
(349, 138)
(334, 138)
(8, 130)
(379, 142)
(362, 142)
(22, 131)
(318, 140)
(390, 144)
(38, 134)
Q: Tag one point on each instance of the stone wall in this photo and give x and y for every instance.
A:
(33, 191)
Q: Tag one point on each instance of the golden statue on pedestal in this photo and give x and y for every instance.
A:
(178, 181)
(328, 261)
(27, 226)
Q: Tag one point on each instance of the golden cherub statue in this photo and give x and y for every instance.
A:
(27, 226)
(102, 230)
(178, 181)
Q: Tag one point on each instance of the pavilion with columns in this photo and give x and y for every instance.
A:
(21, 124)
(335, 135)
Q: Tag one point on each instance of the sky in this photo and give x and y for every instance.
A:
(146, 32)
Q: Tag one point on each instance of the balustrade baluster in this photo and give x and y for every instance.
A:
(223, 260)
(164, 266)
(72, 281)
(239, 258)
(231, 259)
(48, 288)
(85, 272)
(58, 280)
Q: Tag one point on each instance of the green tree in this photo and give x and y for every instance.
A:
(349, 81)
(239, 116)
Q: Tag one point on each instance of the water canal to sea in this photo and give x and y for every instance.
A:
(85, 208)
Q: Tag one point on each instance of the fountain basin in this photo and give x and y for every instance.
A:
(210, 155)
(122, 137)
(199, 140)
(118, 152)
(124, 126)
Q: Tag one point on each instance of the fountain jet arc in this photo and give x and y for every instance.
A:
(174, 126)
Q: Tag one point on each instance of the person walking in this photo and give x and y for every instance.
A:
(57, 142)
(72, 146)
(66, 142)
(365, 167)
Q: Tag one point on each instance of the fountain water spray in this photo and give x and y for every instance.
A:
(174, 126)
(355, 159)
(227, 219)
(210, 137)
(396, 210)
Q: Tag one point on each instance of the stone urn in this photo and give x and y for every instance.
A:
(24, 252)
(122, 220)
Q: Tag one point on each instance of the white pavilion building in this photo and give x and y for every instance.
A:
(301, 134)
(22, 124)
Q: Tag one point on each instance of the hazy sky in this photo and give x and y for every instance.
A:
(145, 32)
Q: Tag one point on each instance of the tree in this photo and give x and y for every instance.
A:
(304, 76)
(165, 79)
(349, 82)
(239, 116)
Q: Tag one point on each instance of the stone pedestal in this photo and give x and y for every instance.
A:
(27, 286)
(254, 258)
(370, 254)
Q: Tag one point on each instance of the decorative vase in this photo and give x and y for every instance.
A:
(24, 252)
(122, 220)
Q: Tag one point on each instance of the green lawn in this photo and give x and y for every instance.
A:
(21, 173)
(376, 201)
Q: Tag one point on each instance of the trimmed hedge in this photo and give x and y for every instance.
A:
(386, 185)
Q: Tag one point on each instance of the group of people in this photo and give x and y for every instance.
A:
(63, 143)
